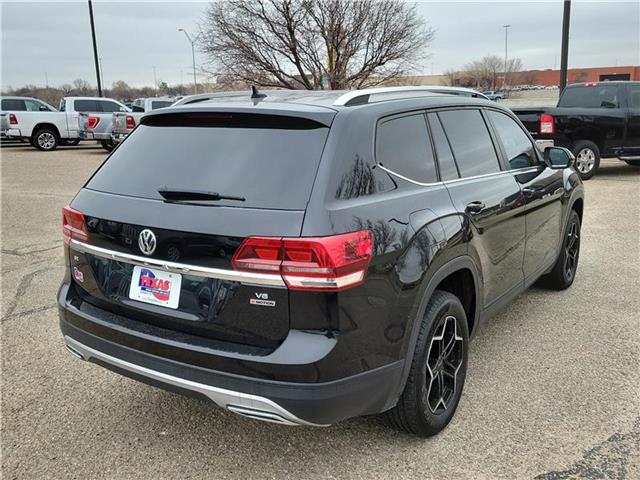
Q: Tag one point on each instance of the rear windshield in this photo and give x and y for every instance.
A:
(270, 161)
(596, 96)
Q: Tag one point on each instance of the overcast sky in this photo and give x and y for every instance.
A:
(52, 39)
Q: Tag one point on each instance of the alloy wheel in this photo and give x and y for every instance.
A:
(46, 140)
(585, 160)
(444, 360)
(572, 249)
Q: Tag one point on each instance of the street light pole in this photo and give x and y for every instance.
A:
(193, 57)
(95, 49)
(564, 56)
(506, 43)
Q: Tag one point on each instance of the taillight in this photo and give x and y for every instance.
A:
(332, 263)
(92, 122)
(546, 124)
(13, 120)
(591, 84)
(131, 122)
(73, 225)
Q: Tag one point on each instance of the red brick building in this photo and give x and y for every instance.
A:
(577, 75)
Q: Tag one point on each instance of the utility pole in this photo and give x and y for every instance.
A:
(95, 49)
(193, 57)
(101, 71)
(564, 56)
(506, 44)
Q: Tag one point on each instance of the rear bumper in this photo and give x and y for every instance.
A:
(291, 403)
(11, 133)
(118, 137)
(94, 136)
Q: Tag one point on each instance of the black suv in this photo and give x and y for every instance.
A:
(306, 257)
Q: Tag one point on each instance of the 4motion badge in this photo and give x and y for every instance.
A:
(262, 299)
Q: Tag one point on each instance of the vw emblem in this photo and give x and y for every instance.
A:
(147, 242)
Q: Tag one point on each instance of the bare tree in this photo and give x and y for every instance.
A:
(314, 44)
(488, 72)
(82, 87)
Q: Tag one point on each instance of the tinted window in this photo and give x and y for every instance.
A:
(86, 106)
(402, 146)
(518, 148)
(13, 104)
(271, 161)
(109, 106)
(160, 104)
(600, 95)
(469, 138)
(446, 163)
(634, 96)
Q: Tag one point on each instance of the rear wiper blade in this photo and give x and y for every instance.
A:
(184, 195)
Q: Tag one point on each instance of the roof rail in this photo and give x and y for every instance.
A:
(371, 95)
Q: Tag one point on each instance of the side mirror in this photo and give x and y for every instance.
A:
(558, 157)
(42, 108)
(123, 109)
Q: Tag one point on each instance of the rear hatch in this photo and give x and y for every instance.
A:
(166, 212)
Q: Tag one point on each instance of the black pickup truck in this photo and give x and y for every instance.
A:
(593, 120)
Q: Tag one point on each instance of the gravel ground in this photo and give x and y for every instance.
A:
(552, 389)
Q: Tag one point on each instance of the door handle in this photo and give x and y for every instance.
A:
(475, 207)
(528, 192)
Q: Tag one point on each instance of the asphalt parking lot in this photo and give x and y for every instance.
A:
(553, 387)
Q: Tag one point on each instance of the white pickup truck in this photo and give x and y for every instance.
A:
(123, 123)
(48, 128)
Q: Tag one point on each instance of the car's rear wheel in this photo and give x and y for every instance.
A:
(587, 158)
(438, 369)
(45, 139)
(566, 267)
(108, 145)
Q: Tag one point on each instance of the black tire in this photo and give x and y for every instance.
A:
(108, 145)
(418, 410)
(566, 267)
(633, 163)
(45, 139)
(587, 156)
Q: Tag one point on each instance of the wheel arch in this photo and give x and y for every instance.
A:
(43, 125)
(446, 277)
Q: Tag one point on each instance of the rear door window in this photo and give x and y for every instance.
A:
(517, 146)
(14, 104)
(403, 146)
(470, 141)
(155, 104)
(86, 106)
(271, 161)
(599, 95)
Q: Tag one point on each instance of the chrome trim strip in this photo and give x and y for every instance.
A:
(254, 406)
(515, 171)
(246, 278)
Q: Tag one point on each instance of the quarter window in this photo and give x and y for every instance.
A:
(634, 96)
(517, 146)
(403, 146)
(446, 162)
(596, 96)
(470, 141)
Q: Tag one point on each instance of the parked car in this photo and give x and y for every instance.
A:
(195, 263)
(494, 95)
(122, 122)
(46, 128)
(593, 120)
(97, 124)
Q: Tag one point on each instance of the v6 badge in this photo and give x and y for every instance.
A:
(262, 299)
